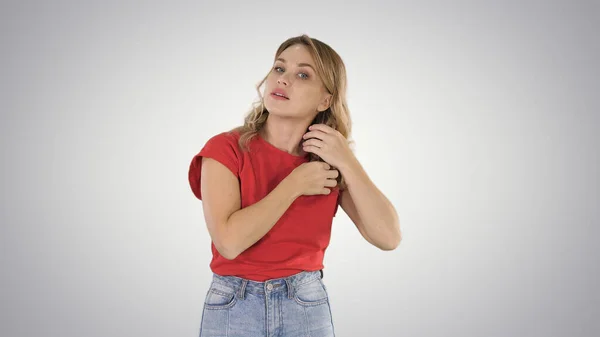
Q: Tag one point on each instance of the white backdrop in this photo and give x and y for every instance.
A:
(478, 120)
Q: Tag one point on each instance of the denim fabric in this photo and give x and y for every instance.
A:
(294, 306)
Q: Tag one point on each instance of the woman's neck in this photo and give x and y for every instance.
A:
(285, 133)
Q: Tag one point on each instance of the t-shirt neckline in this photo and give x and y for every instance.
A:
(279, 151)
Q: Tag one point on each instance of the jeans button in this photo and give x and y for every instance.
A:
(269, 286)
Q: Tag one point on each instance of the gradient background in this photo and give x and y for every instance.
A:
(479, 120)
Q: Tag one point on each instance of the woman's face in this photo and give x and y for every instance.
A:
(293, 75)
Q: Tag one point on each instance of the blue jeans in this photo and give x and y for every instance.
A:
(294, 306)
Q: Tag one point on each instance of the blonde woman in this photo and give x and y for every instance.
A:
(270, 190)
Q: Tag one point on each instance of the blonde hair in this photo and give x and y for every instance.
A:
(332, 71)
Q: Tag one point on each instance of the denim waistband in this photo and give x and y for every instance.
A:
(285, 284)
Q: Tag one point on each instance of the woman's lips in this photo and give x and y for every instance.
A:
(275, 96)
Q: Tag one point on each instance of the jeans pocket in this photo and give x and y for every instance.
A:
(311, 294)
(220, 296)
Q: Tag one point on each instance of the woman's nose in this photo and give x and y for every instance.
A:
(283, 80)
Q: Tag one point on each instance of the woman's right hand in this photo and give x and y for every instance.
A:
(314, 178)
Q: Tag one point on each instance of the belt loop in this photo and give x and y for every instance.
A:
(290, 288)
(321, 271)
(242, 290)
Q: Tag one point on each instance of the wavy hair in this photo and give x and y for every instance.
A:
(332, 71)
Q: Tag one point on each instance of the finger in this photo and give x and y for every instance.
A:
(333, 173)
(325, 191)
(315, 134)
(330, 182)
(322, 164)
(312, 149)
(321, 127)
(315, 142)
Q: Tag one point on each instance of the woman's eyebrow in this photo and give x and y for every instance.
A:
(299, 64)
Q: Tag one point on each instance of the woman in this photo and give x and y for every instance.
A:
(270, 190)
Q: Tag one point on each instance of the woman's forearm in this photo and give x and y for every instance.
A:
(376, 212)
(249, 224)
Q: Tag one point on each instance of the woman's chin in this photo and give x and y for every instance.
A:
(285, 112)
(278, 112)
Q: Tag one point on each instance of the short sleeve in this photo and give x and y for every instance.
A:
(222, 148)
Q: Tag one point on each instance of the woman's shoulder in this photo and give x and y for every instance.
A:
(231, 135)
(225, 138)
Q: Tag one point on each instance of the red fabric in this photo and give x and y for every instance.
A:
(297, 242)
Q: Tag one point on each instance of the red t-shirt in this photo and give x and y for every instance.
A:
(297, 242)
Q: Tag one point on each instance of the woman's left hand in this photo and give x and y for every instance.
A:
(329, 144)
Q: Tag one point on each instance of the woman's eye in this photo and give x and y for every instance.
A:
(279, 69)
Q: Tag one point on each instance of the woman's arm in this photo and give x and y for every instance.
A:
(232, 229)
(369, 209)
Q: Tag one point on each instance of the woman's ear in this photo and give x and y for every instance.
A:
(325, 103)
